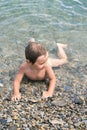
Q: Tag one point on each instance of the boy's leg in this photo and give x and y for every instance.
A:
(62, 56)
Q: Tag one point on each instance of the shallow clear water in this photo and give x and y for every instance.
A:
(48, 21)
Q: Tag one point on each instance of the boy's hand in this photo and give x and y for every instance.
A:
(16, 97)
(46, 94)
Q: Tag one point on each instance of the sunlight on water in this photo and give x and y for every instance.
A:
(47, 21)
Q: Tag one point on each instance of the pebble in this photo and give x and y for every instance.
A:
(67, 88)
(85, 121)
(56, 121)
(78, 100)
(27, 128)
(1, 85)
(12, 127)
(60, 103)
(9, 119)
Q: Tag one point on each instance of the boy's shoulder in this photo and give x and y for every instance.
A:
(47, 66)
(22, 66)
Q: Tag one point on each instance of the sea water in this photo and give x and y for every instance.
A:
(48, 21)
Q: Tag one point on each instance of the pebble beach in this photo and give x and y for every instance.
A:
(66, 110)
(49, 22)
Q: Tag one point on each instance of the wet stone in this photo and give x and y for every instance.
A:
(9, 119)
(12, 127)
(85, 121)
(67, 88)
(1, 85)
(60, 103)
(27, 128)
(56, 121)
(78, 100)
(3, 121)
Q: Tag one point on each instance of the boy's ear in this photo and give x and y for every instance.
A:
(27, 61)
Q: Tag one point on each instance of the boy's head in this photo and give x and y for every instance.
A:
(33, 50)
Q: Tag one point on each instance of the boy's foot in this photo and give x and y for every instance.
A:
(32, 40)
(61, 45)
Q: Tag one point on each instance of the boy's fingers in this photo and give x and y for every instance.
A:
(14, 98)
(42, 97)
(45, 95)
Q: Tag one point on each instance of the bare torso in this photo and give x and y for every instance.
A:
(32, 73)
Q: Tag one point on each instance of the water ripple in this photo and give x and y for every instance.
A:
(42, 16)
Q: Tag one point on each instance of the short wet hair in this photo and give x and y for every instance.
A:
(33, 50)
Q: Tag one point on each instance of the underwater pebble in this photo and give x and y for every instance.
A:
(1, 85)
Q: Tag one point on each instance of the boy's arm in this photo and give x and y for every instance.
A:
(52, 83)
(16, 84)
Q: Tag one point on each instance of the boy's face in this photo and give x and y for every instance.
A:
(41, 61)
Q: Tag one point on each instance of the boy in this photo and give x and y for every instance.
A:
(37, 67)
